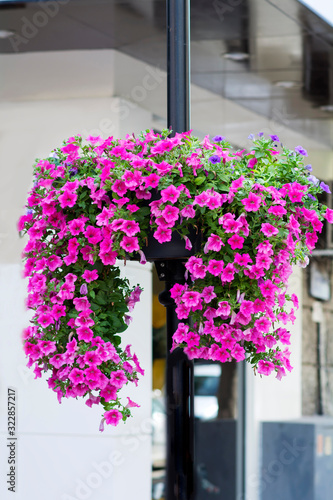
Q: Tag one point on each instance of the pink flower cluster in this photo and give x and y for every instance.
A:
(92, 204)
(255, 260)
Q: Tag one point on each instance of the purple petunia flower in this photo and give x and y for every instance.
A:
(325, 187)
(218, 138)
(308, 167)
(251, 137)
(73, 171)
(274, 138)
(301, 151)
(311, 197)
(313, 179)
(260, 134)
(83, 289)
(215, 159)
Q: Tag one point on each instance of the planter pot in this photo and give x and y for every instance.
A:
(171, 250)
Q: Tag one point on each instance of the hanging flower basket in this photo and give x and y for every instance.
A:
(239, 218)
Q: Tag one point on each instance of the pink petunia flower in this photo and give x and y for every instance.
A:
(228, 273)
(88, 254)
(108, 258)
(182, 311)
(47, 347)
(177, 290)
(208, 294)
(262, 324)
(329, 215)
(252, 202)
(109, 393)
(170, 194)
(81, 304)
(311, 240)
(53, 262)
(188, 212)
(76, 226)
(215, 267)
(76, 376)
(67, 199)
(268, 229)
(236, 241)
(84, 319)
(152, 180)
(132, 208)
(214, 200)
(252, 162)
(132, 179)
(113, 417)
(93, 235)
(268, 289)
(92, 358)
(170, 213)
(85, 333)
(294, 299)
(58, 311)
(90, 276)
(277, 210)
(242, 259)
(130, 227)
(45, 320)
(201, 199)
(163, 235)
(223, 309)
(295, 195)
(180, 334)
(191, 299)
(119, 187)
(265, 247)
(131, 404)
(263, 260)
(118, 379)
(130, 244)
(214, 243)
(265, 367)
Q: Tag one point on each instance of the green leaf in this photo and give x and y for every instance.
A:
(199, 180)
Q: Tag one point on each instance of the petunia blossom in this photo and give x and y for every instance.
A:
(252, 202)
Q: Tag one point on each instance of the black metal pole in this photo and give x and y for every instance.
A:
(179, 399)
(178, 64)
(180, 370)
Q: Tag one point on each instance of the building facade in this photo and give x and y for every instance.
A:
(99, 68)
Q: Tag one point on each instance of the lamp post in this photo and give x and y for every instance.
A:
(169, 260)
(179, 369)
